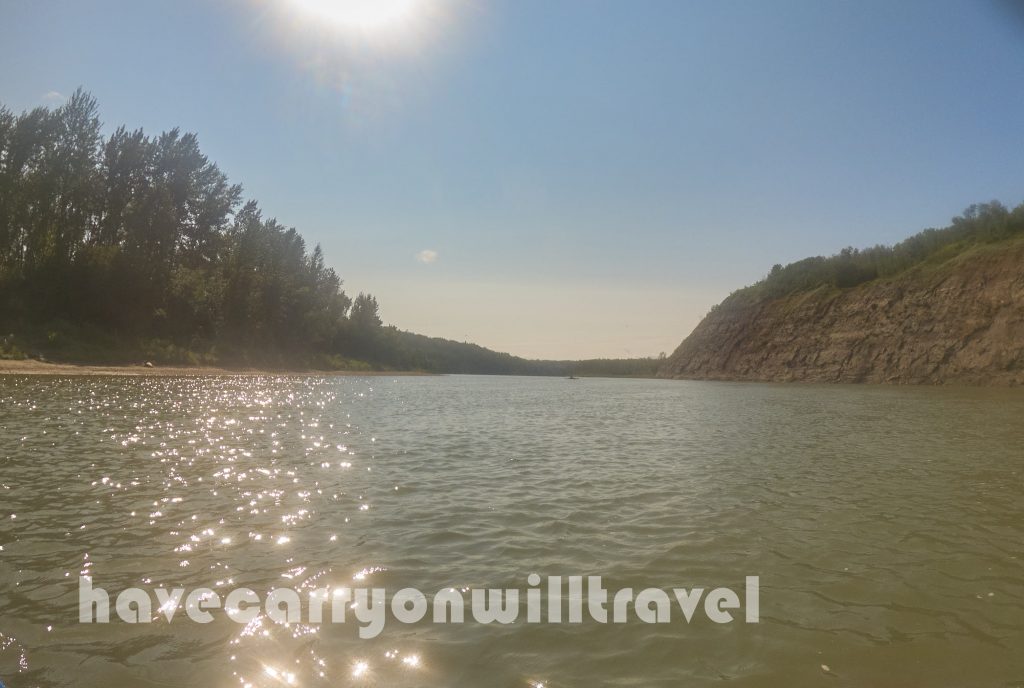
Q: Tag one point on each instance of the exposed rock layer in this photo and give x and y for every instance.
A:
(959, 322)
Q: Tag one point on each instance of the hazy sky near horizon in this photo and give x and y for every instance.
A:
(556, 178)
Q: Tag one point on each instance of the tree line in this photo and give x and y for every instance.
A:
(982, 223)
(137, 238)
(130, 246)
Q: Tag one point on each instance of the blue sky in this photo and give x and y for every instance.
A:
(592, 176)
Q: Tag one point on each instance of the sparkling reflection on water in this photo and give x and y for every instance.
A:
(886, 525)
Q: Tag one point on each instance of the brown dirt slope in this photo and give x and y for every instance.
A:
(961, 321)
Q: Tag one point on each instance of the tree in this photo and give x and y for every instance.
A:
(365, 313)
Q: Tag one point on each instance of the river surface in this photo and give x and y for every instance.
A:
(886, 526)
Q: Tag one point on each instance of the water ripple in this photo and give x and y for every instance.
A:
(884, 523)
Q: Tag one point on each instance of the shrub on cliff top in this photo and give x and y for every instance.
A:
(981, 223)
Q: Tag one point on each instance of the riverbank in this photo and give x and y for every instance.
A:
(34, 367)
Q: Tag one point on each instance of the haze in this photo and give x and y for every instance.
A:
(560, 180)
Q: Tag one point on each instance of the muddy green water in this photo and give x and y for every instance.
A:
(886, 526)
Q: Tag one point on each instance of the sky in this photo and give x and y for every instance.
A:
(559, 178)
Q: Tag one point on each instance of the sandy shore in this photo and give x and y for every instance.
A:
(33, 367)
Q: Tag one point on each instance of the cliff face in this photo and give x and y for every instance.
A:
(959, 322)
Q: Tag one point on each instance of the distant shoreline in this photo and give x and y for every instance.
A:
(34, 367)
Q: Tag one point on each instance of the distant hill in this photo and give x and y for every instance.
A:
(944, 306)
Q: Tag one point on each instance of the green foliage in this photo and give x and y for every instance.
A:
(141, 240)
(137, 247)
(980, 224)
(408, 351)
(10, 350)
(618, 367)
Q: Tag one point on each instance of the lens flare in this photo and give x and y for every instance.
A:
(361, 15)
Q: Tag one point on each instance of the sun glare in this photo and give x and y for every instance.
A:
(360, 15)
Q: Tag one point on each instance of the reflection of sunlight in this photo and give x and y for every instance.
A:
(359, 669)
(284, 676)
(361, 575)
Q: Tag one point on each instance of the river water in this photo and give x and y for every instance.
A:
(886, 526)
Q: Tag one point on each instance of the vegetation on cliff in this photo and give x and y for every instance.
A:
(944, 306)
(980, 224)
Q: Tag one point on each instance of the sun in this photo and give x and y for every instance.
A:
(366, 16)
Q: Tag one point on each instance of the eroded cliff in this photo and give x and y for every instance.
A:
(959, 321)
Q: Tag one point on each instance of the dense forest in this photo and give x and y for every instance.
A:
(984, 223)
(134, 247)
